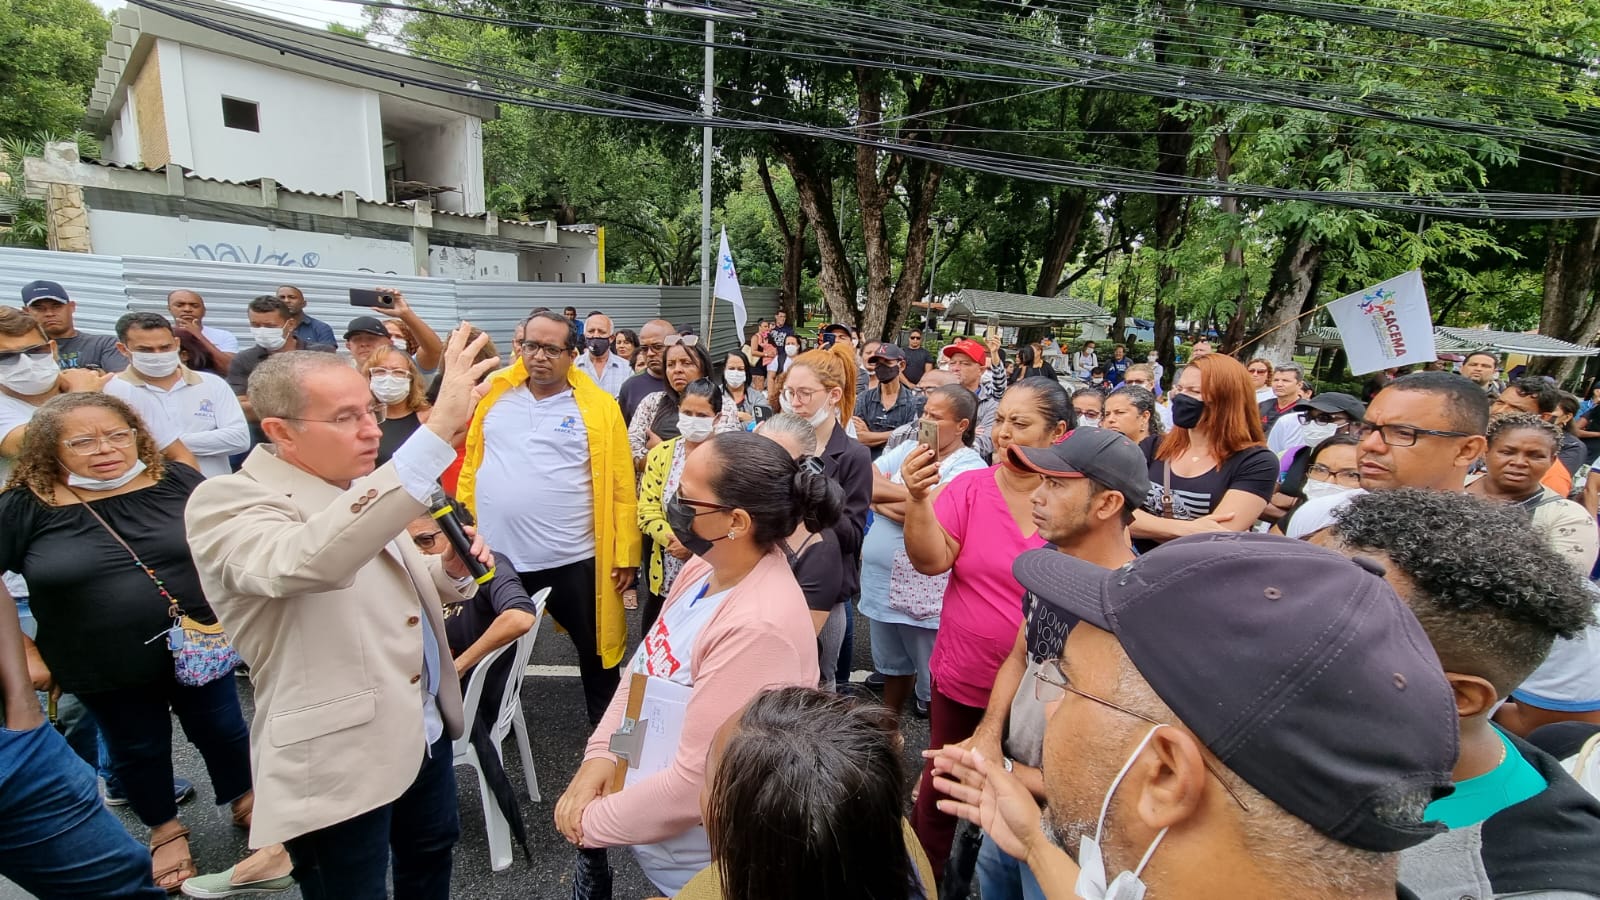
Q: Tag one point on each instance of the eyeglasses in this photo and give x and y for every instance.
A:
(653, 348)
(427, 539)
(38, 351)
(350, 421)
(1399, 435)
(1051, 685)
(389, 373)
(1347, 477)
(90, 445)
(701, 507)
(548, 351)
(1323, 418)
(792, 394)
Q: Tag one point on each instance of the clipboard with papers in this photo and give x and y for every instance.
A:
(652, 728)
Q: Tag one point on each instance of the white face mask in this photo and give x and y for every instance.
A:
(823, 414)
(155, 365)
(1314, 433)
(1314, 490)
(400, 344)
(391, 388)
(31, 375)
(1092, 866)
(734, 377)
(269, 338)
(694, 428)
(110, 484)
(791, 349)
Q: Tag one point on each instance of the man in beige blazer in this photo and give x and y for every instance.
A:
(304, 556)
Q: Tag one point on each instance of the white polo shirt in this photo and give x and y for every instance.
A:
(613, 374)
(202, 406)
(220, 338)
(535, 493)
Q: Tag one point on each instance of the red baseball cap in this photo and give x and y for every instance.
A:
(968, 346)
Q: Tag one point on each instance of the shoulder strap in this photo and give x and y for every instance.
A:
(1166, 489)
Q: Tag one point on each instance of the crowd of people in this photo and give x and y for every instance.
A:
(1218, 635)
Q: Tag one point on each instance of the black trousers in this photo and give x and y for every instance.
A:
(571, 603)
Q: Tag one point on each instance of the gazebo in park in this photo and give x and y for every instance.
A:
(1019, 310)
(1449, 342)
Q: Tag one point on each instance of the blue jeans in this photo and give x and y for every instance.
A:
(415, 835)
(1001, 877)
(138, 733)
(56, 838)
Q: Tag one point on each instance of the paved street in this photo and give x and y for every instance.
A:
(554, 703)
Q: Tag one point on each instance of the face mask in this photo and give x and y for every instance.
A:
(694, 428)
(885, 374)
(155, 365)
(791, 349)
(1088, 423)
(1315, 489)
(31, 375)
(1096, 380)
(1152, 358)
(391, 388)
(1186, 410)
(823, 414)
(91, 484)
(734, 378)
(269, 339)
(1314, 433)
(680, 518)
(599, 346)
(1092, 866)
(401, 345)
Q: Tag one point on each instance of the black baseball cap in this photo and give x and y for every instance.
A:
(365, 325)
(1298, 668)
(836, 328)
(34, 291)
(1100, 454)
(888, 352)
(1332, 402)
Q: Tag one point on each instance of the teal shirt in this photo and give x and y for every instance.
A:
(1476, 799)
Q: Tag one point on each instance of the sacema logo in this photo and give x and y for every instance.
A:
(1379, 308)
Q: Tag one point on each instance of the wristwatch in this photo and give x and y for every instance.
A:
(1008, 763)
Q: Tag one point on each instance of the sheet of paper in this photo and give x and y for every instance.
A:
(662, 710)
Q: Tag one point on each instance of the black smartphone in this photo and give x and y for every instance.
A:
(829, 338)
(762, 413)
(364, 297)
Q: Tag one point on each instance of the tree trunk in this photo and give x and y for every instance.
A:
(1072, 207)
(1173, 141)
(925, 179)
(872, 195)
(836, 278)
(1570, 311)
(1233, 253)
(1291, 292)
(794, 246)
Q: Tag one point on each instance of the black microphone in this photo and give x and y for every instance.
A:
(443, 510)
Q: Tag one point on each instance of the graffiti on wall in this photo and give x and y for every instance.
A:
(223, 251)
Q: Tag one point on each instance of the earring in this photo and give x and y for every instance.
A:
(732, 534)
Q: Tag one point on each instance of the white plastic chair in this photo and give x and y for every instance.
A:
(509, 720)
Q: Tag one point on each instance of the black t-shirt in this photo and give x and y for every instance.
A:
(820, 571)
(96, 609)
(917, 362)
(395, 431)
(244, 363)
(1270, 413)
(467, 620)
(84, 350)
(635, 389)
(1573, 454)
(1253, 470)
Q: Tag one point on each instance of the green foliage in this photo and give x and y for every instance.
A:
(49, 53)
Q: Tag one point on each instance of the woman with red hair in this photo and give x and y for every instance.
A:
(1213, 471)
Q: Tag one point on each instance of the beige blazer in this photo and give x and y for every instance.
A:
(326, 614)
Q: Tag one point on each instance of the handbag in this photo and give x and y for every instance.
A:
(912, 593)
(200, 653)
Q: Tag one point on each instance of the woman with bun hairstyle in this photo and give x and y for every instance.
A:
(735, 623)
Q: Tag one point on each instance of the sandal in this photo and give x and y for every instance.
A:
(184, 869)
(241, 817)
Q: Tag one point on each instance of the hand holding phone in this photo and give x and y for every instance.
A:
(370, 298)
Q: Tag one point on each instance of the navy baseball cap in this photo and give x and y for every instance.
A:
(1100, 454)
(1298, 667)
(888, 352)
(365, 325)
(34, 291)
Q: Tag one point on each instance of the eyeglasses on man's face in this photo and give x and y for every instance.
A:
(546, 351)
(1398, 435)
(426, 540)
(350, 420)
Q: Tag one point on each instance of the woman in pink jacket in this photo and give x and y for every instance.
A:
(734, 624)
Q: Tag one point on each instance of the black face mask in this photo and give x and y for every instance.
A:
(680, 518)
(885, 374)
(1186, 410)
(599, 346)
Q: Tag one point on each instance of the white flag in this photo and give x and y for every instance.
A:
(727, 286)
(1387, 325)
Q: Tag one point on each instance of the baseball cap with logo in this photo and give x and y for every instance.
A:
(1297, 667)
(1099, 454)
(34, 291)
(888, 353)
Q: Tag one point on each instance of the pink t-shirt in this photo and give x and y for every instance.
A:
(982, 602)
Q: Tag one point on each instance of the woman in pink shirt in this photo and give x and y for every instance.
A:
(735, 623)
(974, 528)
